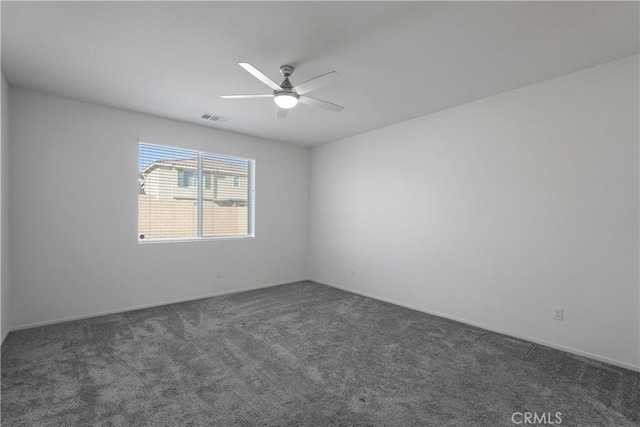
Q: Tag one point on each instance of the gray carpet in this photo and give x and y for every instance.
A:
(298, 355)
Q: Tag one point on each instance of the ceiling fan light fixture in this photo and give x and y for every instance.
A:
(285, 100)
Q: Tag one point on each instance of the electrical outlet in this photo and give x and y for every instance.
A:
(219, 275)
(558, 313)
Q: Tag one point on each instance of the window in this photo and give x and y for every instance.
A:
(174, 203)
(187, 178)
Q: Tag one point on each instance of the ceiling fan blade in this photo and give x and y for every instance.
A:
(282, 113)
(316, 83)
(258, 75)
(314, 102)
(267, 95)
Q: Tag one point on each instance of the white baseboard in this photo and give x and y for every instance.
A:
(489, 328)
(139, 307)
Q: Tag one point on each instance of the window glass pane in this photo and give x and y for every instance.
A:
(167, 200)
(226, 206)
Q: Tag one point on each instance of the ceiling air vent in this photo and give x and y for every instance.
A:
(214, 118)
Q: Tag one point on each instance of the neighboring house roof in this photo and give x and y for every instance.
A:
(208, 165)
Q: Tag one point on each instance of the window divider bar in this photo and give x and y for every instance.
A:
(200, 194)
(251, 199)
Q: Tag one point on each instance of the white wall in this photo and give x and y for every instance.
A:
(4, 213)
(74, 250)
(497, 211)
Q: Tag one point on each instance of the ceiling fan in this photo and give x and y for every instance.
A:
(287, 96)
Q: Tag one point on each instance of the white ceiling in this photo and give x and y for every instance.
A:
(396, 60)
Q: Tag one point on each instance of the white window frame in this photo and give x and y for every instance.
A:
(251, 197)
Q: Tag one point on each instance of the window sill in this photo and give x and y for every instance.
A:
(201, 239)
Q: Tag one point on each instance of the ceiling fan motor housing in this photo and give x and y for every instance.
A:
(286, 70)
